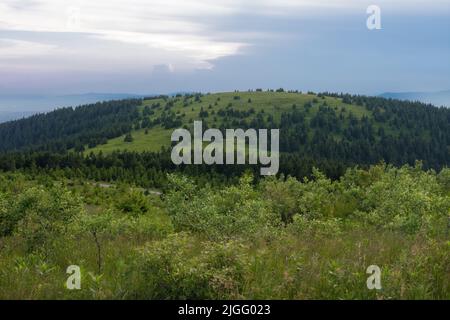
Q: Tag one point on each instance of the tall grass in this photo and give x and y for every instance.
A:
(281, 239)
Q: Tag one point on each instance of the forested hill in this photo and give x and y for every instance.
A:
(341, 130)
(67, 128)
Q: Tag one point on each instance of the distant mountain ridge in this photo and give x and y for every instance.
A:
(438, 98)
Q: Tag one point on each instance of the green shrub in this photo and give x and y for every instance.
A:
(133, 202)
(219, 214)
(406, 199)
(40, 215)
(323, 227)
(178, 268)
(149, 226)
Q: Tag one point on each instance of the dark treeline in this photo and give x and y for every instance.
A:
(67, 128)
(149, 169)
(398, 136)
(397, 132)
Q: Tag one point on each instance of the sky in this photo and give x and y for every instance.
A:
(165, 46)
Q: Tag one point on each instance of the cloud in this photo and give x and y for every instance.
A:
(16, 49)
(185, 28)
(71, 42)
(160, 25)
(162, 70)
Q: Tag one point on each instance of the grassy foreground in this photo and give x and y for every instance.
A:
(279, 239)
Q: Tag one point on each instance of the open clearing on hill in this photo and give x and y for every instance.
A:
(271, 103)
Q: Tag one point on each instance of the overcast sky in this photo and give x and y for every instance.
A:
(162, 46)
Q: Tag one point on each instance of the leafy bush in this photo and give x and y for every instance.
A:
(178, 268)
(39, 215)
(133, 202)
(219, 214)
(329, 227)
(444, 180)
(407, 199)
(149, 226)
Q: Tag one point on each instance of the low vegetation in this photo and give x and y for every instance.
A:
(279, 238)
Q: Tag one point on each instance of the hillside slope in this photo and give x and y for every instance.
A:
(220, 110)
(342, 129)
(352, 129)
(67, 128)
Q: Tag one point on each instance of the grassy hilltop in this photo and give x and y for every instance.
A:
(188, 110)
